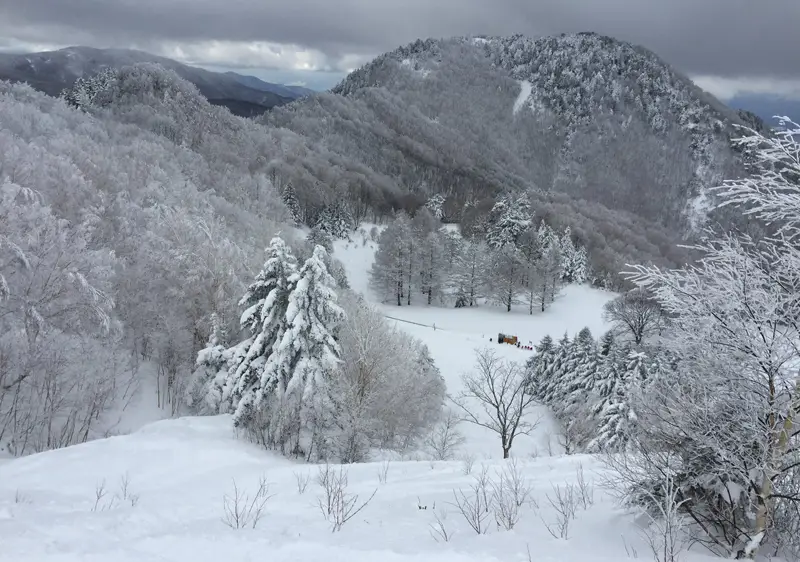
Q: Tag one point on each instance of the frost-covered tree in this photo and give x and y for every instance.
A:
(305, 361)
(436, 205)
(246, 384)
(545, 273)
(433, 270)
(389, 392)
(504, 280)
(508, 219)
(469, 273)
(389, 274)
(635, 315)
(735, 336)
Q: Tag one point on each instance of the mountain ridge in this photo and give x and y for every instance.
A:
(54, 71)
(664, 139)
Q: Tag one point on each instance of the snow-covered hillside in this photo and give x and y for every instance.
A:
(178, 473)
(159, 494)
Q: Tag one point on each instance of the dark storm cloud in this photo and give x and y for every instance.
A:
(756, 38)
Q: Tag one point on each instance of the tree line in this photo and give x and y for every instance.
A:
(419, 261)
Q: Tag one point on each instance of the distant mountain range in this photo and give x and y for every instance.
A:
(53, 71)
(767, 106)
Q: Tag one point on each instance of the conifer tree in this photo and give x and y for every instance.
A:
(289, 197)
(508, 219)
(615, 414)
(265, 304)
(306, 359)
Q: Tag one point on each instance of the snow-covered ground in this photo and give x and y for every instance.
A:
(72, 504)
(525, 89)
(460, 332)
(178, 473)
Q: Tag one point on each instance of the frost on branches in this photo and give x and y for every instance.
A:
(233, 378)
(306, 359)
(509, 218)
(514, 264)
(723, 422)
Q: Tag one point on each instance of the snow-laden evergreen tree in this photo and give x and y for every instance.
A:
(509, 218)
(546, 235)
(615, 413)
(583, 366)
(86, 89)
(539, 368)
(305, 361)
(436, 206)
(265, 303)
(319, 237)
(607, 342)
(202, 396)
(335, 220)
(289, 197)
(574, 260)
(548, 388)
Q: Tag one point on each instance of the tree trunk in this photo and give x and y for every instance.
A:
(778, 445)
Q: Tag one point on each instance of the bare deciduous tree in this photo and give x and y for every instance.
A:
(635, 314)
(498, 387)
(445, 439)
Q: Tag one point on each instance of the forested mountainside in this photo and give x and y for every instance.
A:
(135, 213)
(53, 71)
(586, 115)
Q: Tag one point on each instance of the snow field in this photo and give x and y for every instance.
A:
(158, 494)
(459, 332)
(180, 470)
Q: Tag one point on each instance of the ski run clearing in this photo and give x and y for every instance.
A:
(160, 493)
(525, 89)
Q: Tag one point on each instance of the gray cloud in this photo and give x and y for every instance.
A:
(726, 38)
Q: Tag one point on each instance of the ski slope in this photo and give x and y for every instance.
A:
(158, 494)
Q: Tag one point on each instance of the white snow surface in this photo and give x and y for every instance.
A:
(461, 332)
(525, 89)
(179, 472)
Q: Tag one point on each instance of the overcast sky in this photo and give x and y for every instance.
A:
(727, 46)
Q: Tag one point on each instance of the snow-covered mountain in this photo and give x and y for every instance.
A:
(53, 71)
(603, 120)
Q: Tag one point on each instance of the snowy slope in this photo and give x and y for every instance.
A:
(525, 90)
(179, 471)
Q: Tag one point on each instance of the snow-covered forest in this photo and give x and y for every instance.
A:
(418, 261)
(292, 297)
